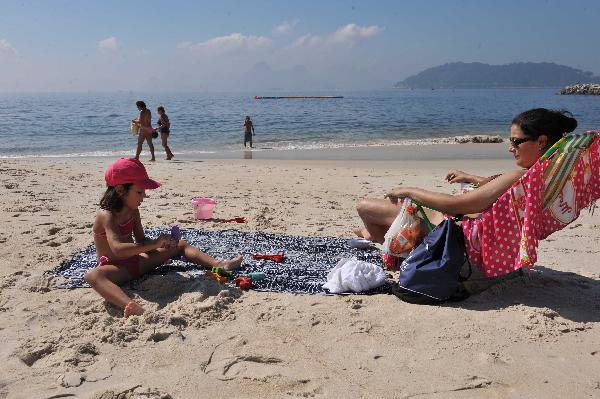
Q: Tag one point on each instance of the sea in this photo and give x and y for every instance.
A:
(97, 124)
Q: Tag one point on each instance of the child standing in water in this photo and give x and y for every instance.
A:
(165, 129)
(117, 224)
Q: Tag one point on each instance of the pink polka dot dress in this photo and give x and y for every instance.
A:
(505, 236)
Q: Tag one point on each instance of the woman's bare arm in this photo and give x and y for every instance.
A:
(471, 202)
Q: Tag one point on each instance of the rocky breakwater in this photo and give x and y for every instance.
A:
(587, 88)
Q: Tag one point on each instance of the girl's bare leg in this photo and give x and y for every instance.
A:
(153, 259)
(105, 280)
(196, 256)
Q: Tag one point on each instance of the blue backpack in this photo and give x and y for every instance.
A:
(431, 273)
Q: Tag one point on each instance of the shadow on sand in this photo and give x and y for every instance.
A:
(572, 296)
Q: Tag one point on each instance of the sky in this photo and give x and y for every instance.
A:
(221, 45)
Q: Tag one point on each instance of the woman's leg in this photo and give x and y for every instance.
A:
(377, 216)
(141, 137)
(150, 145)
(163, 138)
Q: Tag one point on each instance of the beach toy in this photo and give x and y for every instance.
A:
(203, 207)
(217, 277)
(221, 272)
(256, 276)
(243, 282)
(134, 128)
(236, 220)
(275, 258)
(175, 233)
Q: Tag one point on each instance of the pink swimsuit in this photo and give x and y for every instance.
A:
(131, 264)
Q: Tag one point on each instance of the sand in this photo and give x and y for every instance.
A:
(530, 337)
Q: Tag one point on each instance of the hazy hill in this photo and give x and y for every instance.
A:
(476, 75)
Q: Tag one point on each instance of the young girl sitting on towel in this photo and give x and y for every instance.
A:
(117, 224)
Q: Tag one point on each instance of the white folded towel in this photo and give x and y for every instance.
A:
(354, 275)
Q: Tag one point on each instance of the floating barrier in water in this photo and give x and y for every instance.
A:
(293, 97)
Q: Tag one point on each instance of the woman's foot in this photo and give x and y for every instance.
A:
(362, 232)
(231, 264)
(152, 159)
(133, 309)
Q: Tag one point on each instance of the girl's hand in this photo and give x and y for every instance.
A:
(165, 241)
(458, 176)
(397, 193)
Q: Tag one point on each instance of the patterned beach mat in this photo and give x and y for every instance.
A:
(304, 269)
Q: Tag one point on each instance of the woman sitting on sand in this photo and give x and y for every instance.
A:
(120, 258)
(531, 134)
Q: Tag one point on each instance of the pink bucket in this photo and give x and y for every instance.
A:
(203, 207)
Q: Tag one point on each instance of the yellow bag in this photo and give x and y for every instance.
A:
(134, 128)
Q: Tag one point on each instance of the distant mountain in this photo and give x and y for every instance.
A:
(475, 75)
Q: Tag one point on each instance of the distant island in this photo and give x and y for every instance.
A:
(476, 75)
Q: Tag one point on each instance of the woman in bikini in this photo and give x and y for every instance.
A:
(144, 121)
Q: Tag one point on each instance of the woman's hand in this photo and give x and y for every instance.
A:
(458, 176)
(397, 193)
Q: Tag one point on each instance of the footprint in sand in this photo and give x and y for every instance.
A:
(225, 366)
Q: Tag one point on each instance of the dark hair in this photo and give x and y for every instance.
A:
(111, 200)
(541, 121)
(140, 104)
(161, 108)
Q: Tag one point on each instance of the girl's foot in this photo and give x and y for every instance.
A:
(152, 159)
(231, 264)
(133, 309)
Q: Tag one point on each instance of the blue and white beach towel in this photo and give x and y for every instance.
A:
(304, 269)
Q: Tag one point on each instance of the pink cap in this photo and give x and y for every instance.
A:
(129, 170)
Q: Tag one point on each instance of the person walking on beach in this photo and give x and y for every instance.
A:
(165, 129)
(248, 131)
(144, 121)
(118, 222)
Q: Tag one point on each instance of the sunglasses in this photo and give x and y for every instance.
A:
(516, 141)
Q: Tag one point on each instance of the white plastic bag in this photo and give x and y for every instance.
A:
(405, 233)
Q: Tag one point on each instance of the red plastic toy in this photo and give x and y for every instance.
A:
(236, 220)
(244, 282)
(275, 258)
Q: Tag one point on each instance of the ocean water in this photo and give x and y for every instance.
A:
(89, 124)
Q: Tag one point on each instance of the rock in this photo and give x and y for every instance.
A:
(69, 380)
(478, 139)
(586, 89)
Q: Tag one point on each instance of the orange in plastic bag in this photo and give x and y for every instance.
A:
(405, 233)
